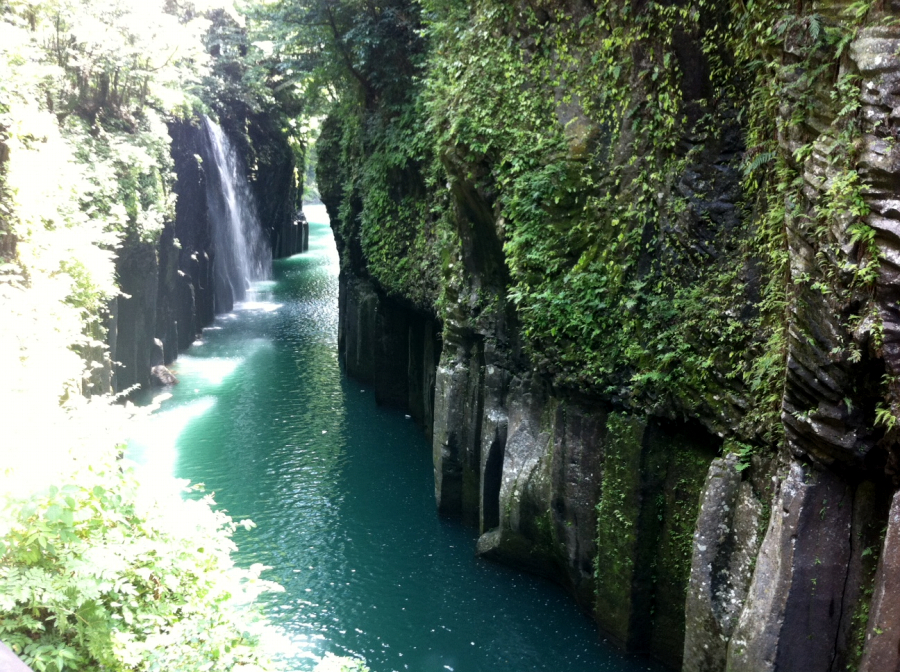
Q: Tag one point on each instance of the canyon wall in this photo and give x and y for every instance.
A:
(647, 267)
(168, 293)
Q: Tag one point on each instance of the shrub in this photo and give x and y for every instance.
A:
(100, 572)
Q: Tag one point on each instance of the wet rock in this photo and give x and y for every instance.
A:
(356, 328)
(494, 430)
(674, 463)
(724, 551)
(870, 513)
(876, 53)
(424, 354)
(136, 267)
(169, 292)
(709, 621)
(524, 537)
(157, 353)
(392, 352)
(524, 491)
(187, 300)
(557, 482)
(390, 346)
(458, 404)
(273, 180)
(160, 376)
(576, 466)
(617, 530)
(825, 395)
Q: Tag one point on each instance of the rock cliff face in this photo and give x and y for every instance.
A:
(168, 290)
(718, 488)
(394, 349)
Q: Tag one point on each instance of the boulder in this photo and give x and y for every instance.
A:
(160, 376)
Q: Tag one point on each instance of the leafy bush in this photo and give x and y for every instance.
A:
(95, 571)
(97, 574)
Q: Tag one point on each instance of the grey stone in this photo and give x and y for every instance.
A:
(719, 566)
(456, 442)
(882, 644)
(157, 353)
(576, 469)
(792, 614)
(160, 376)
(494, 426)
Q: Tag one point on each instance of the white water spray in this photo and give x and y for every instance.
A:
(242, 253)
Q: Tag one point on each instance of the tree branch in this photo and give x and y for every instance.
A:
(345, 52)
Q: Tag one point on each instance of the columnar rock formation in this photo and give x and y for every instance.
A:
(703, 526)
(168, 290)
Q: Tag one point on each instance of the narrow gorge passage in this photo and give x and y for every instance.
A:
(342, 494)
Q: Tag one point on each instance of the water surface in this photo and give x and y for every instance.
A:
(343, 497)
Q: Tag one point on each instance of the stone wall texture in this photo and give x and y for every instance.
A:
(168, 293)
(677, 542)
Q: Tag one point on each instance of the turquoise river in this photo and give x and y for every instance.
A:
(343, 498)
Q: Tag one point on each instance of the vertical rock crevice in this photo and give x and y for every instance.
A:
(169, 288)
(685, 530)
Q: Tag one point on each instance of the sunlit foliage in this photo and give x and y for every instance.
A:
(94, 572)
(97, 574)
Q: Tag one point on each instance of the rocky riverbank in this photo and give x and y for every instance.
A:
(667, 369)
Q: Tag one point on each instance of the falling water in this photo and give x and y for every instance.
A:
(343, 494)
(243, 254)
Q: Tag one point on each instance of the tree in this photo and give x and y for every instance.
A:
(340, 49)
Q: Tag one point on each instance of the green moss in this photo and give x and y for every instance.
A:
(564, 131)
(859, 624)
(545, 539)
(618, 514)
(374, 171)
(870, 537)
(576, 142)
(651, 486)
(584, 211)
(670, 550)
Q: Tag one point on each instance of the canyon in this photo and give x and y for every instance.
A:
(656, 353)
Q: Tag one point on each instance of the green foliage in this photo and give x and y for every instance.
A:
(761, 159)
(94, 575)
(618, 513)
(744, 452)
(110, 60)
(88, 154)
(397, 225)
(61, 276)
(585, 182)
(350, 50)
(583, 140)
(885, 417)
(377, 167)
(130, 176)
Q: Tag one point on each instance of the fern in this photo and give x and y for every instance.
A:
(757, 161)
(885, 417)
(815, 26)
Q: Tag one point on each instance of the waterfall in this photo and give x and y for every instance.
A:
(242, 253)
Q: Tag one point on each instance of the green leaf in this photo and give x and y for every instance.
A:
(54, 513)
